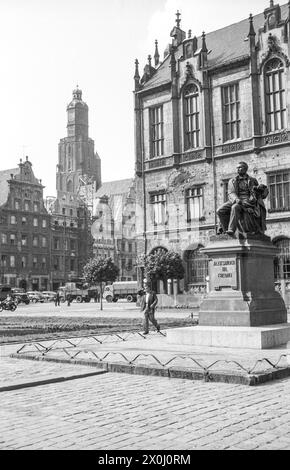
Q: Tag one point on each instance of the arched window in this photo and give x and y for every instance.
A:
(282, 260)
(191, 117)
(275, 95)
(69, 186)
(196, 267)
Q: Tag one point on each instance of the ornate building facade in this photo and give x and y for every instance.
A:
(45, 244)
(212, 102)
(113, 228)
(25, 230)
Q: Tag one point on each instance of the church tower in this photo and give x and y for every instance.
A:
(78, 163)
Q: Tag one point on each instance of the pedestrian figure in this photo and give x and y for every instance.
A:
(57, 299)
(68, 298)
(148, 305)
(97, 296)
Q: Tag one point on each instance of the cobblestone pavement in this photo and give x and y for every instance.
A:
(119, 412)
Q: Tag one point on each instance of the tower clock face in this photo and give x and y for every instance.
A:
(71, 115)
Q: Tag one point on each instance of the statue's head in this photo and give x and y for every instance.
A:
(242, 168)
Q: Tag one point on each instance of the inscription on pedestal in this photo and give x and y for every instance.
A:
(224, 273)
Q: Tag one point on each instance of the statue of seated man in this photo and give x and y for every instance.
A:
(245, 210)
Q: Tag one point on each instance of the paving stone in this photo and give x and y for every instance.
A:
(120, 411)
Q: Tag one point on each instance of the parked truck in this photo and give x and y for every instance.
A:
(75, 292)
(121, 290)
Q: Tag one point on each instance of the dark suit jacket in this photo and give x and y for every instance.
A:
(152, 302)
(233, 190)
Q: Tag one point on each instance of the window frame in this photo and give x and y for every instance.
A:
(191, 133)
(201, 205)
(4, 238)
(271, 111)
(231, 125)
(161, 212)
(156, 123)
(280, 195)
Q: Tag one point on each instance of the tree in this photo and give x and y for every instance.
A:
(97, 271)
(164, 265)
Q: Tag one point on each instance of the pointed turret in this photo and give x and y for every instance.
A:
(148, 71)
(203, 53)
(252, 36)
(156, 55)
(137, 75)
(252, 30)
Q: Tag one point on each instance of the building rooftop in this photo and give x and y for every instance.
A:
(112, 188)
(225, 45)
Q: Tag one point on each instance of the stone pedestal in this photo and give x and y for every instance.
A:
(242, 290)
(238, 337)
(242, 309)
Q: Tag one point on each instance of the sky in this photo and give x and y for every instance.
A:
(47, 47)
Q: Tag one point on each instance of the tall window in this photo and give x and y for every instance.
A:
(56, 243)
(72, 264)
(69, 186)
(56, 263)
(12, 239)
(24, 240)
(35, 241)
(282, 260)
(35, 222)
(157, 135)
(275, 95)
(197, 267)
(194, 199)
(3, 238)
(13, 219)
(279, 186)
(44, 242)
(231, 112)
(191, 118)
(158, 202)
(12, 261)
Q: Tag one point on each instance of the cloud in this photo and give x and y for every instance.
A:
(160, 25)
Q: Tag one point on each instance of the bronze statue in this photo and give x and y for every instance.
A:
(245, 210)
